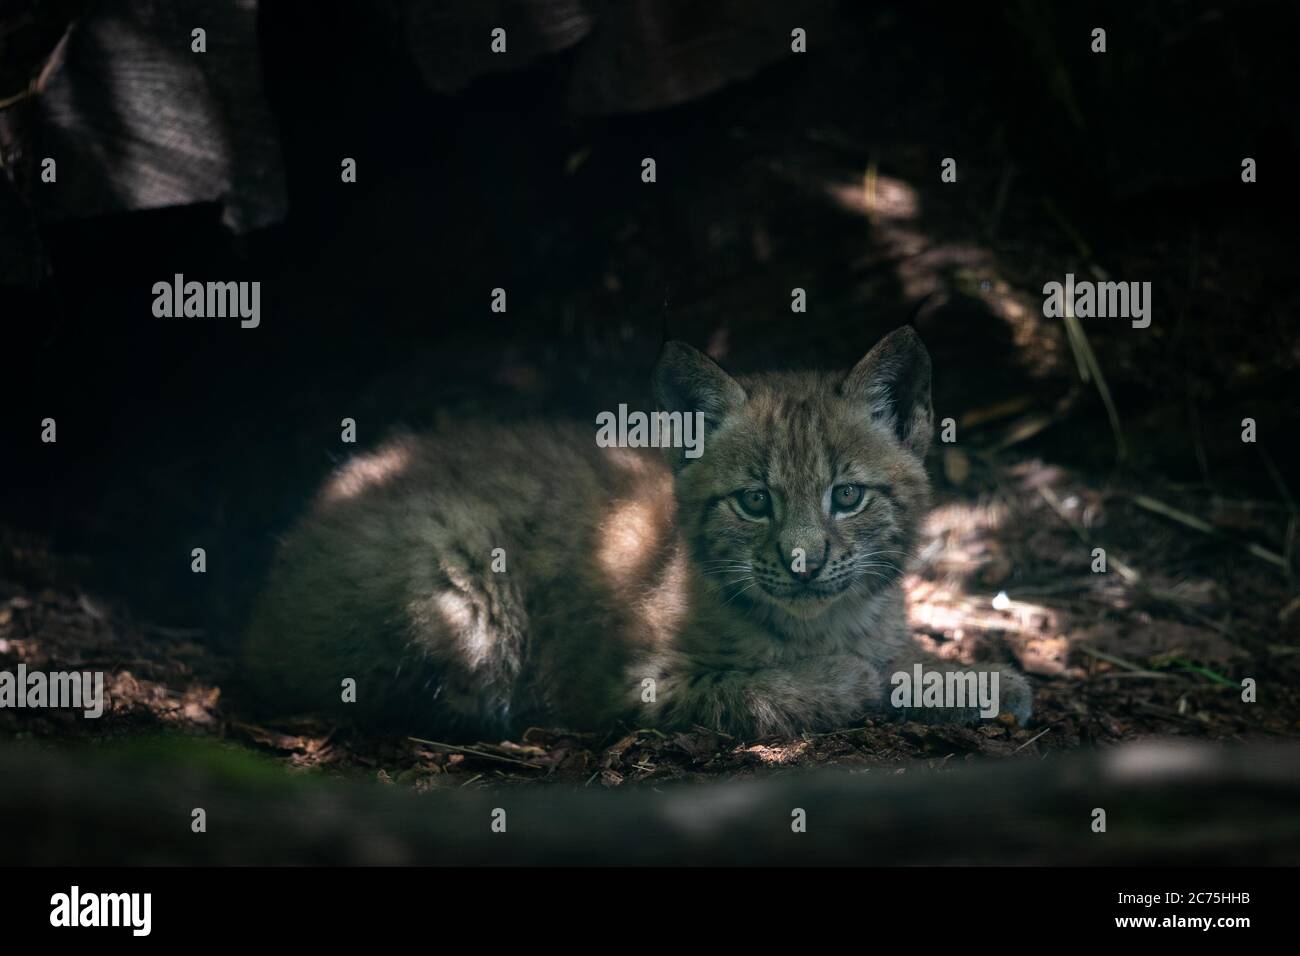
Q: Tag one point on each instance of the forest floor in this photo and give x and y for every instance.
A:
(1127, 654)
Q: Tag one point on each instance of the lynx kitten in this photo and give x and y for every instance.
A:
(481, 580)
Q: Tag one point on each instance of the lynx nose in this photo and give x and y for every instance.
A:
(805, 565)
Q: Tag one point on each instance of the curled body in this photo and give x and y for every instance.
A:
(492, 577)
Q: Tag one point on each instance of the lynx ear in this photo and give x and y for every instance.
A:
(893, 379)
(687, 380)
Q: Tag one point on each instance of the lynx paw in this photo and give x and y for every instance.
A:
(1017, 695)
(933, 697)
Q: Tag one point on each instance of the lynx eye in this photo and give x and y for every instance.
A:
(847, 497)
(755, 503)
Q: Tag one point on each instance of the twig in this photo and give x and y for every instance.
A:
(1135, 675)
(710, 730)
(991, 413)
(37, 84)
(1197, 524)
(1168, 597)
(869, 190)
(1083, 354)
(1118, 661)
(476, 753)
(1031, 740)
(1023, 429)
(1165, 711)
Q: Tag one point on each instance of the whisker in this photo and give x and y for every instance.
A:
(872, 567)
(738, 593)
(727, 584)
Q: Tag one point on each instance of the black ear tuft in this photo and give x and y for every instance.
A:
(893, 379)
(687, 380)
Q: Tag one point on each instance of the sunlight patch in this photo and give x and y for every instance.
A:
(367, 471)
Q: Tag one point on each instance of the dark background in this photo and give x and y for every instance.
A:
(181, 433)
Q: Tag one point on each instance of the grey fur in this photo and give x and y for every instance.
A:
(624, 566)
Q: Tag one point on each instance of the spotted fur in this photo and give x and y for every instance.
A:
(637, 585)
